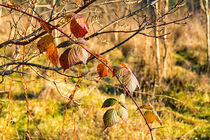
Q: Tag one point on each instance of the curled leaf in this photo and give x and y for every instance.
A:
(123, 112)
(110, 118)
(109, 102)
(78, 26)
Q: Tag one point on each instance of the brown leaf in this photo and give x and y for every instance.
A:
(102, 70)
(64, 60)
(78, 26)
(46, 44)
(46, 27)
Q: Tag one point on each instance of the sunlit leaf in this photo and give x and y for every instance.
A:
(46, 44)
(110, 118)
(130, 82)
(152, 115)
(157, 117)
(82, 54)
(52, 54)
(149, 116)
(64, 60)
(46, 27)
(123, 112)
(120, 71)
(78, 26)
(65, 44)
(122, 101)
(102, 70)
(109, 102)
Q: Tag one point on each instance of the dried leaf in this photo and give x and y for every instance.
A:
(78, 26)
(109, 102)
(46, 44)
(64, 60)
(110, 118)
(102, 70)
(130, 82)
(46, 27)
(65, 44)
(82, 54)
(123, 112)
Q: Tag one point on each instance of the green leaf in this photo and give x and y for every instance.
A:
(110, 118)
(65, 44)
(109, 102)
(122, 101)
(123, 112)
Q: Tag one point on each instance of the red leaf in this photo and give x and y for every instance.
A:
(102, 70)
(78, 26)
(64, 61)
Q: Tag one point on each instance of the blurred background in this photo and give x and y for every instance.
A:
(173, 72)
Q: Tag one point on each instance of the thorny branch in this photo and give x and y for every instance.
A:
(40, 66)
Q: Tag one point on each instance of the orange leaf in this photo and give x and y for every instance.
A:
(102, 70)
(122, 64)
(78, 26)
(52, 53)
(64, 61)
(46, 44)
(46, 27)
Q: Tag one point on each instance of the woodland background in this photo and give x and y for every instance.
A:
(181, 97)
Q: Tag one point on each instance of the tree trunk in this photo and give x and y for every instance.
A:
(157, 43)
(165, 44)
(207, 32)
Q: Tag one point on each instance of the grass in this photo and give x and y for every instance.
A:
(182, 99)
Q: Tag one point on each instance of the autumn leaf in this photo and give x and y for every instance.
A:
(102, 70)
(78, 26)
(46, 44)
(46, 27)
(71, 55)
(127, 77)
(110, 118)
(109, 102)
(152, 115)
(64, 60)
